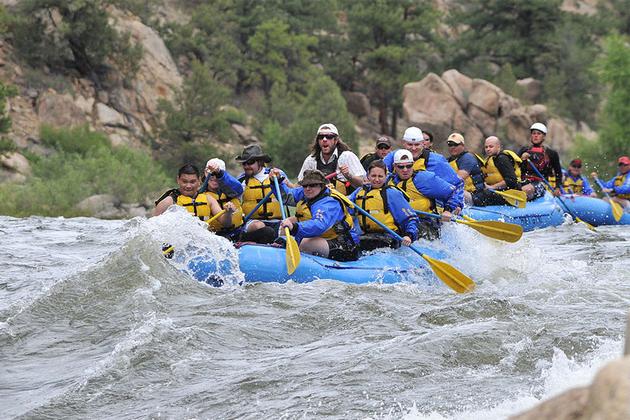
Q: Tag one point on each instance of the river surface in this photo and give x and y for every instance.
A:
(95, 323)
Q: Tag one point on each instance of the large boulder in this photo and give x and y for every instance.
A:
(531, 87)
(485, 96)
(609, 397)
(569, 405)
(158, 77)
(460, 85)
(59, 110)
(430, 102)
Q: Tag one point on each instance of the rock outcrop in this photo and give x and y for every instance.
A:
(477, 109)
(607, 398)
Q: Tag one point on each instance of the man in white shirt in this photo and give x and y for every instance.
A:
(332, 156)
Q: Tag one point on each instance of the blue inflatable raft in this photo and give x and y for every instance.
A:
(261, 263)
(540, 213)
(594, 211)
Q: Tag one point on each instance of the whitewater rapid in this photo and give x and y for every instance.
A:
(95, 323)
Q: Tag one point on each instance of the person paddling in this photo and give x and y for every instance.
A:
(546, 160)
(619, 185)
(322, 224)
(389, 206)
(501, 171)
(264, 222)
(423, 188)
(330, 154)
(576, 183)
(424, 159)
(226, 189)
(466, 164)
(201, 205)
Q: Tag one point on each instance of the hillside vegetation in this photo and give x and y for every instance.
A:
(281, 67)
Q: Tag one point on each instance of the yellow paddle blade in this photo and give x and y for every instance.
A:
(514, 197)
(293, 252)
(617, 211)
(216, 216)
(451, 276)
(588, 225)
(502, 231)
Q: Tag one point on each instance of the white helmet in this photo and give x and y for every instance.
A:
(216, 161)
(540, 127)
(413, 135)
(402, 156)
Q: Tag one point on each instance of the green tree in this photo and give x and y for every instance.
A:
(323, 103)
(72, 34)
(278, 56)
(522, 33)
(387, 44)
(614, 71)
(193, 120)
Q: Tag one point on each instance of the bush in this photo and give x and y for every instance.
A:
(77, 171)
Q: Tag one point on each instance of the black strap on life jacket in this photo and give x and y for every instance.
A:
(365, 197)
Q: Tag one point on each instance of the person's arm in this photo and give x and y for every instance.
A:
(586, 187)
(506, 169)
(388, 160)
(404, 216)
(325, 213)
(555, 164)
(215, 207)
(351, 168)
(434, 187)
(162, 205)
(228, 184)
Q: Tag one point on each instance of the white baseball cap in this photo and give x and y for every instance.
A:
(402, 156)
(413, 135)
(218, 162)
(328, 128)
(539, 126)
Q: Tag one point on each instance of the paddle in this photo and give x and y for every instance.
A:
(255, 209)
(577, 219)
(293, 250)
(617, 211)
(216, 216)
(502, 231)
(451, 276)
(516, 198)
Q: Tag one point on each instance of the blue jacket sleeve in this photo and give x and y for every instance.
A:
(229, 185)
(586, 186)
(610, 183)
(325, 213)
(404, 216)
(432, 186)
(440, 166)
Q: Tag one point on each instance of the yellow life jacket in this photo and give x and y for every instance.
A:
(469, 185)
(576, 186)
(237, 216)
(491, 172)
(421, 163)
(198, 205)
(374, 202)
(303, 213)
(417, 200)
(619, 181)
(253, 193)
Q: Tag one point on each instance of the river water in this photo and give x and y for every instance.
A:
(95, 323)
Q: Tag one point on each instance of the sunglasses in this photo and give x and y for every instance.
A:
(451, 144)
(383, 147)
(624, 164)
(311, 185)
(249, 162)
(326, 136)
(576, 166)
(405, 166)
